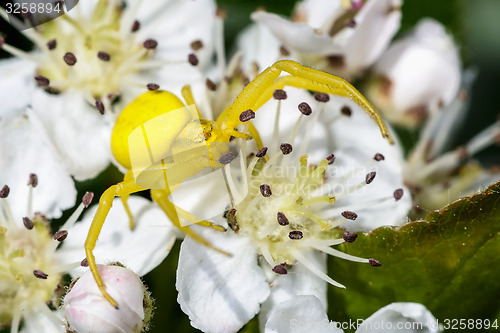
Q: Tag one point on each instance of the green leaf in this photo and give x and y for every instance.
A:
(450, 263)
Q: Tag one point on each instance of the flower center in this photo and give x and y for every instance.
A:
(280, 211)
(28, 271)
(95, 54)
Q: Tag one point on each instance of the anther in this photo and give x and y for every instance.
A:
(52, 44)
(282, 219)
(150, 44)
(104, 56)
(193, 59)
(284, 51)
(221, 13)
(247, 115)
(265, 190)
(279, 269)
(351, 23)
(262, 152)
(346, 111)
(296, 234)
(69, 58)
(226, 158)
(152, 86)
(305, 109)
(336, 61)
(33, 180)
(87, 198)
(279, 94)
(42, 81)
(40, 274)
(99, 106)
(4, 192)
(370, 177)
(28, 223)
(196, 45)
(286, 148)
(61, 235)
(230, 215)
(321, 97)
(84, 263)
(462, 153)
(135, 26)
(330, 158)
(349, 237)
(374, 262)
(349, 215)
(398, 194)
(378, 157)
(210, 84)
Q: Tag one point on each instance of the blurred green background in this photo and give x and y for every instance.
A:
(475, 26)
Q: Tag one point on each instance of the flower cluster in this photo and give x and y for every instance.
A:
(262, 173)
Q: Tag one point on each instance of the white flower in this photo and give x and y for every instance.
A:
(283, 211)
(96, 59)
(87, 311)
(344, 41)
(33, 262)
(417, 75)
(306, 314)
(437, 172)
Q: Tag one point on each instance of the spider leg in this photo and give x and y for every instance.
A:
(161, 198)
(261, 88)
(129, 175)
(124, 188)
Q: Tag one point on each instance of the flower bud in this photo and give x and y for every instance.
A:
(86, 309)
(417, 76)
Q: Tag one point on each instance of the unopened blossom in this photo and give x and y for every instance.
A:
(282, 205)
(328, 36)
(33, 260)
(306, 314)
(418, 75)
(86, 310)
(90, 62)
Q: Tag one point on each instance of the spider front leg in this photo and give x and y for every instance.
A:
(124, 188)
(257, 92)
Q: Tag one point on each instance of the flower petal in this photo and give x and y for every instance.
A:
(220, 293)
(298, 281)
(25, 149)
(400, 317)
(80, 134)
(303, 313)
(39, 321)
(299, 36)
(17, 83)
(140, 249)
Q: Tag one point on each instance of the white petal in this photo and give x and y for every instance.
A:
(80, 134)
(376, 24)
(165, 21)
(298, 281)
(298, 36)
(17, 83)
(258, 46)
(318, 13)
(300, 314)
(24, 149)
(424, 68)
(39, 322)
(400, 317)
(141, 249)
(219, 293)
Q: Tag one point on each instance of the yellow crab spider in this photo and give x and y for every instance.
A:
(179, 131)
